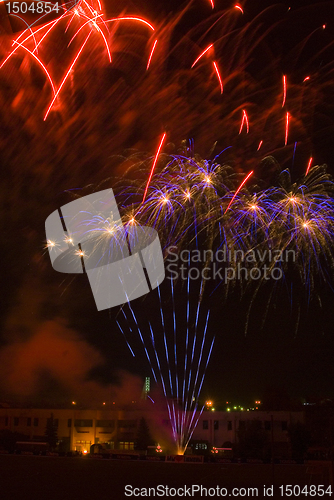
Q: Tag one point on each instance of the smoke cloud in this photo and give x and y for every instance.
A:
(55, 364)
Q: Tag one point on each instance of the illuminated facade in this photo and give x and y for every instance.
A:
(78, 429)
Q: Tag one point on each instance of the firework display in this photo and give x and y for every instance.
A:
(281, 235)
(84, 17)
(114, 71)
(196, 203)
(177, 347)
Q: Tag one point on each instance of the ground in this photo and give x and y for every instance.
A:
(51, 478)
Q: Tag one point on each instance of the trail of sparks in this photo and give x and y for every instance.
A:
(127, 343)
(27, 38)
(53, 24)
(66, 76)
(151, 54)
(142, 340)
(194, 427)
(74, 14)
(27, 29)
(287, 124)
(140, 334)
(175, 342)
(153, 166)
(33, 33)
(42, 66)
(199, 391)
(212, 4)
(284, 91)
(157, 358)
(131, 18)
(90, 8)
(202, 54)
(90, 16)
(239, 188)
(201, 355)
(219, 77)
(186, 354)
(260, 146)
(180, 371)
(165, 341)
(294, 153)
(93, 13)
(104, 39)
(191, 429)
(243, 121)
(90, 20)
(239, 8)
(172, 410)
(309, 165)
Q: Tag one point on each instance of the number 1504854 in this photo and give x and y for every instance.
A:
(33, 7)
(312, 490)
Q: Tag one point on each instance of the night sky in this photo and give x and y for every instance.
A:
(105, 114)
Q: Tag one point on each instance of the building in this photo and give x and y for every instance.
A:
(78, 429)
(222, 429)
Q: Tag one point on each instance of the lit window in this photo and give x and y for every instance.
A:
(201, 446)
(126, 445)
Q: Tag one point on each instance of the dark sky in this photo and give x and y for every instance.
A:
(289, 343)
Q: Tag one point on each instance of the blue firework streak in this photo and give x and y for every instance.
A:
(178, 346)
